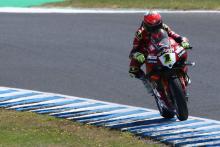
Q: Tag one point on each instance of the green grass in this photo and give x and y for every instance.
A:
(148, 4)
(23, 3)
(25, 129)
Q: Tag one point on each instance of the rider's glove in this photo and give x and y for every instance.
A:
(185, 44)
(139, 57)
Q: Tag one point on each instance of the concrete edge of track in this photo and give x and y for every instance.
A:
(94, 11)
(142, 122)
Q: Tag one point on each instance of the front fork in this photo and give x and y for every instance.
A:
(160, 90)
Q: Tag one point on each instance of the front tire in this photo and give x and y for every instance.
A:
(179, 98)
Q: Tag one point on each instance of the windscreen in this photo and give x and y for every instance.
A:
(160, 40)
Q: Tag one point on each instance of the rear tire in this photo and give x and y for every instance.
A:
(164, 111)
(179, 99)
(167, 114)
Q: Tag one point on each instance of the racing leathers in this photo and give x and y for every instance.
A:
(140, 50)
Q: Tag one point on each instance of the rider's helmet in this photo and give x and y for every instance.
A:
(152, 21)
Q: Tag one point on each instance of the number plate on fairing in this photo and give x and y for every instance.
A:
(168, 59)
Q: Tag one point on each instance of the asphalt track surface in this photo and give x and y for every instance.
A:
(86, 55)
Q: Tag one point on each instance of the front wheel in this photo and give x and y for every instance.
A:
(179, 98)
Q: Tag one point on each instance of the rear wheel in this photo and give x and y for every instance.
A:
(179, 99)
(166, 113)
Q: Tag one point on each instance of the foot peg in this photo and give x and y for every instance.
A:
(190, 63)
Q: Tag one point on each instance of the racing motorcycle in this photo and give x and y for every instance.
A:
(167, 73)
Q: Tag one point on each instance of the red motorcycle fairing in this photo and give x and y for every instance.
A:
(152, 58)
(153, 61)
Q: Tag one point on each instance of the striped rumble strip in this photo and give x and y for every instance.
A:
(140, 121)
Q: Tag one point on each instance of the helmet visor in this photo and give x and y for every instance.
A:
(152, 28)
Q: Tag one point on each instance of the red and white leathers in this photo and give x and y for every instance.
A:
(141, 43)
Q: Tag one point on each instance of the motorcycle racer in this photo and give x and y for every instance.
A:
(151, 23)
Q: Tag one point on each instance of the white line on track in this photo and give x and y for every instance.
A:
(94, 11)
